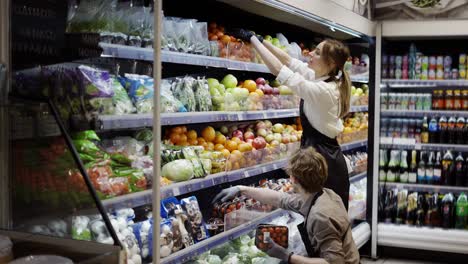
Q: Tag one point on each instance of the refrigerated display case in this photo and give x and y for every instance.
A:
(101, 101)
(422, 81)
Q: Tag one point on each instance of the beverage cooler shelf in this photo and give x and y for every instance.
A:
(394, 83)
(354, 145)
(197, 249)
(424, 146)
(359, 108)
(422, 113)
(424, 187)
(358, 177)
(146, 54)
(422, 238)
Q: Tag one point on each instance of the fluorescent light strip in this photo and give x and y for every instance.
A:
(312, 17)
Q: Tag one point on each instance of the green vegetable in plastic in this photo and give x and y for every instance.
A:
(122, 159)
(86, 135)
(178, 170)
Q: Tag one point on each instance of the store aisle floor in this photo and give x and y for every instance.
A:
(394, 261)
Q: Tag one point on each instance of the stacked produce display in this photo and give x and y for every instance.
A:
(355, 128)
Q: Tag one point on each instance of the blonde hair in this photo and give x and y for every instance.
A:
(335, 52)
(309, 168)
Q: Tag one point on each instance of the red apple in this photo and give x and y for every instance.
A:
(259, 143)
(249, 135)
(286, 139)
(276, 91)
(260, 80)
(238, 134)
(249, 141)
(268, 89)
(260, 125)
(261, 132)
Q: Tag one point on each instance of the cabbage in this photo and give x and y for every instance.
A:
(178, 170)
(231, 259)
(212, 259)
(223, 250)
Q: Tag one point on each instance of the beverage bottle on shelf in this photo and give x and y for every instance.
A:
(430, 168)
(420, 210)
(422, 169)
(461, 212)
(433, 130)
(465, 134)
(425, 131)
(449, 104)
(417, 131)
(443, 129)
(464, 100)
(447, 210)
(413, 173)
(383, 165)
(435, 100)
(460, 130)
(447, 169)
(435, 218)
(411, 208)
(388, 209)
(411, 125)
(437, 170)
(404, 174)
(466, 172)
(391, 128)
(451, 130)
(457, 100)
(430, 206)
(459, 170)
(397, 131)
(401, 207)
(393, 172)
(384, 127)
(404, 128)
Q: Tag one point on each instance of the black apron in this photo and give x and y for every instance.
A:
(302, 227)
(338, 178)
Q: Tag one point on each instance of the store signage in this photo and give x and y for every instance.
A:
(420, 9)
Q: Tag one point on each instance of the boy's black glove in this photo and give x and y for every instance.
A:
(243, 34)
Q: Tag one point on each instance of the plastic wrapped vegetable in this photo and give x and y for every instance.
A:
(145, 135)
(141, 90)
(122, 103)
(89, 148)
(202, 95)
(86, 135)
(178, 170)
(182, 90)
(195, 217)
(136, 178)
(169, 104)
(97, 90)
(80, 229)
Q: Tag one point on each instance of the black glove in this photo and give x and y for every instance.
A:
(244, 35)
(226, 194)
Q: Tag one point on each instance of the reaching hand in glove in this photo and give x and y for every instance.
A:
(227, 194)
(244, 35)
(276, 251)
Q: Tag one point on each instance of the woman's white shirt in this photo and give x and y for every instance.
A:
(321, 99)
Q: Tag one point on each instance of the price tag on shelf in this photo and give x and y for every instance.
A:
(386, 140)
(417, 146)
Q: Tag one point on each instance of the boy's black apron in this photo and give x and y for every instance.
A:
(338, 178)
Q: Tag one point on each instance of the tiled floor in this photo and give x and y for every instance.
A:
(393, 261)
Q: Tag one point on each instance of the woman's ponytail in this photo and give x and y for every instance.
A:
(344, 86)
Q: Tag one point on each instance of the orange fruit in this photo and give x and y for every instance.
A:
(177, 130)
(236, 155)
(226, 153)
(201, 140)
(226, 39)
(250, 85)
(231, 145)
(219, 147)
(193, 142)
(220, 139)
(204, 145)
(175, 138)
(244, 147)
(210, 146)
(237, 140)
(209, 134)
(184, 129)
(183, 138)
(185, 144)
(192, 134)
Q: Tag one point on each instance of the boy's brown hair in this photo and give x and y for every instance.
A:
(309, 168)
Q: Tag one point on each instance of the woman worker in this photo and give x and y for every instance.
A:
(325, 90)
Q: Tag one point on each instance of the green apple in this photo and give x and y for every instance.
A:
(229, 81)
(268, 38)
(212, 82)
(276, 42)
(275, 83)
(284, 90)
(359, 91)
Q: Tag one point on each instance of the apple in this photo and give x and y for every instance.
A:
(267, 89)
(259, 143)
(275, 83)
(278, 128)
(261, 132)
(274, 143)
(224, 130)
(238, 134)
(249, 135)
(260, 125)
(277, 137)
(212, 83)
(250, 130)
(229, 81)
(268, 124)
(269, 138)
(284, 90)
(276, 91)
(249, 141)
(260, 81)
(294, 138)
(286, 139)
(232, 129)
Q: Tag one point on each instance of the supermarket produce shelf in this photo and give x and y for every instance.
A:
(359, 108)
(142, 198)
(361, 234)
(393, 83)
(195, 250)
(425, 146)
(112, 122)
(425, 187)
(422, 113)
(146, 54)
(358, 177)
(422, 238)
(353, 145)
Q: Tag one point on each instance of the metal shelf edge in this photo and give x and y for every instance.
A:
(353, 145)
(218, 240)
(425, 187)
(421, 113)
(359, 108)
(427, 146)
(358, 177)
(422, 83)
